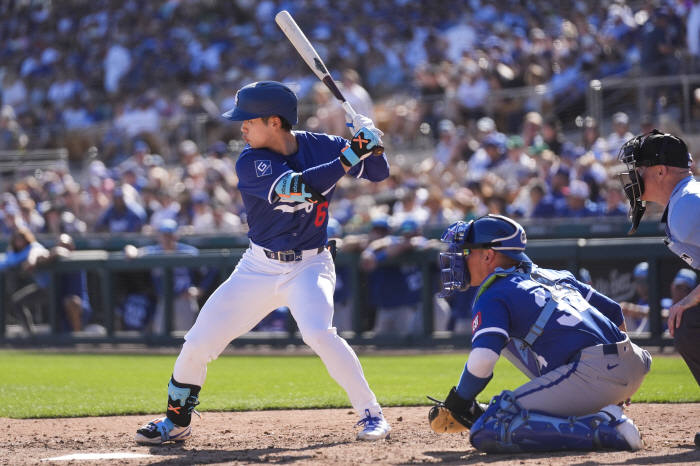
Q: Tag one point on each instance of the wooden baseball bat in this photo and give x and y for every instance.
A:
(308, 53)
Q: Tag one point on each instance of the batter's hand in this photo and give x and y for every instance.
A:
(361, 121)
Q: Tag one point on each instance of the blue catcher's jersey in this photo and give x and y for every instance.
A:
(286, 225)
(509, 307)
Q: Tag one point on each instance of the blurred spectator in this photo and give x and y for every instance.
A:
(185, 307)
(516, 167)
(692, 28)
(488, 157)
(275, 321)
(138, 157)
(30, 216)
(343, 302)
(593, 141)
(584, 276)
(12, 137)
(116, 63)
(356, 95)
(122, 216)
(74, 303)
(659, 43)
(615, 201)
(552, 134)
(218, 221)
(578, 201)
(21, 256)
(636, 311)
(620, 135)
(396, 291)
(408, 205)
(460, 322)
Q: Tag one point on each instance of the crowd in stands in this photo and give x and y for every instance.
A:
(121, 85)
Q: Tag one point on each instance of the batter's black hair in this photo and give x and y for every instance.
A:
(286, 125)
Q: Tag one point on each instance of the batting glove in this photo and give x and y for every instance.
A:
(361, 121)
(360, 147)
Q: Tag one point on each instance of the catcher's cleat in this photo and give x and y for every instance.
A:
(624, 427)
(162, 430)
(374, 428)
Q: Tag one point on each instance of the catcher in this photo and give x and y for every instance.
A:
(566, 337)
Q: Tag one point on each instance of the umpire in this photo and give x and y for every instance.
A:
(658, 170)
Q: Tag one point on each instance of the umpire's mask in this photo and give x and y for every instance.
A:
(647, 150)
(488, 232)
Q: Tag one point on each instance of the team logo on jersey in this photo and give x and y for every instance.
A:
(476, 322)
(263, 168)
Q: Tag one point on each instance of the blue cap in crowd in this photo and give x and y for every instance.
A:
(381, 222)
(641, 271)
(409, 225)
(686, 277)
(168, 225)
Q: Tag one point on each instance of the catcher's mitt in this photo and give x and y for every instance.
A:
(455, 414)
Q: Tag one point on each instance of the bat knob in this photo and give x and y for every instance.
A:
(378, 151)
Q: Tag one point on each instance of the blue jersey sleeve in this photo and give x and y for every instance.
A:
(372, 168)
(491, 323)
(323, 177)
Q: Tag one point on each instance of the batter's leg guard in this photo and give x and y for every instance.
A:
(507, 427)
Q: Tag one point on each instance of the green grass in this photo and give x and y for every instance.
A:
(34, 385)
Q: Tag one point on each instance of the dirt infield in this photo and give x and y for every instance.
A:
(322, 437)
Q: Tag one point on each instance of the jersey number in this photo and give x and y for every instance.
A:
(321, 214)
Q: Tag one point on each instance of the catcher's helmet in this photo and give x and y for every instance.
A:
(488, 232)
(648, 150)
(264, 99)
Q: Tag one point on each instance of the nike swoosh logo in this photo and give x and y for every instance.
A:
(612, 367)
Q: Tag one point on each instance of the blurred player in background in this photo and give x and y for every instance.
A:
(286, 179)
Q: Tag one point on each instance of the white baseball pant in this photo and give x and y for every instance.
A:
(257, 286)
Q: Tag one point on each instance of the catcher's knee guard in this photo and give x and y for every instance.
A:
(182, 400)
(506, 427)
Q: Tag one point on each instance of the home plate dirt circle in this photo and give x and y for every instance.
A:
(319, 437)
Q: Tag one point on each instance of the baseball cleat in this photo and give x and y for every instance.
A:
(374, 428)
(162, 430)
(624, 427)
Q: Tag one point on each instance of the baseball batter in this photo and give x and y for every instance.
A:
(566, 337)
(658, 170)
(286, 179)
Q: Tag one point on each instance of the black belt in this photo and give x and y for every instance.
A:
(608, 348)
(293, 255)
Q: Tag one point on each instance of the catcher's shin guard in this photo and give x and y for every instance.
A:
(506, 427)
(182, 400)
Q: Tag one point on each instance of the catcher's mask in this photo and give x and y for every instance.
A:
(647, 150)
(488, 232)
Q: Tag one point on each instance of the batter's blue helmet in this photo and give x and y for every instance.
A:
(264, 99)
